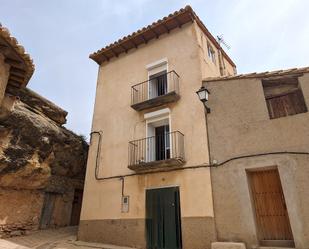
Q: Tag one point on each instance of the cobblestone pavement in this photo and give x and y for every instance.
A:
(63, 238)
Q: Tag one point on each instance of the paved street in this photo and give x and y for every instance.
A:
(64, 238)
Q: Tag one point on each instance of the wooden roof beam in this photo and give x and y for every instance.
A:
(17, 78)
(144, 39)
(12, 62)
(116, 54)
(105, 58)
(124, 49)
(156, 34)
(166, 28)
(178, 22)
(134, 44)
(17, 71)
(4, 49)
(192, 17)
(14, 83)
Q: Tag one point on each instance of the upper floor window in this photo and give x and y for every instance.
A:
(211, 53)
(158, 84)
(157, 73)
(284, 97)
(161, 87)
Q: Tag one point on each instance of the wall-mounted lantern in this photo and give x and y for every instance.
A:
(203, 95)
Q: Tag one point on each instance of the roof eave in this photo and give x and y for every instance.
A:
(190, 16)
(17, 58)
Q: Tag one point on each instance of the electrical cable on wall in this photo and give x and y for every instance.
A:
(121, 177)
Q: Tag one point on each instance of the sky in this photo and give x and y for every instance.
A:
(59, 35)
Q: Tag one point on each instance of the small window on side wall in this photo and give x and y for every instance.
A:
(211, 53)
(284, 97)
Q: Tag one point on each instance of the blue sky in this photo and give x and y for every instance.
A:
(60, 35)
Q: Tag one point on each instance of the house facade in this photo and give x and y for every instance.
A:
(148, 180)
(258, 142)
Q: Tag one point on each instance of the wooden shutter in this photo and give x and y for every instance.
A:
(287, 104)
(284, 97)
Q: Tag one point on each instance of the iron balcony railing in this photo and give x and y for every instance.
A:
(159, 85)
(168, 146)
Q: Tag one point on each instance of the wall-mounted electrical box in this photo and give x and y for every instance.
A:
(125, 204)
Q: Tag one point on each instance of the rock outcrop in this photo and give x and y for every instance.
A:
(37, 156)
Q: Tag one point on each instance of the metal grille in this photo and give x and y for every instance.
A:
(159, 85)
(156, 148)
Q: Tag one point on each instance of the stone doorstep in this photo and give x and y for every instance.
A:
(274, 247)
(98, 245)
(227, 245)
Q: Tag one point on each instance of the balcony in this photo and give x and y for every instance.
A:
(160, 89)
(157, 152)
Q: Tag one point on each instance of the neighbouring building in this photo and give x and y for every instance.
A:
(148, 179)
(258, 140)
(42, 164)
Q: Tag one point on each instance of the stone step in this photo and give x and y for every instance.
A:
(227, 245)
(99, 245)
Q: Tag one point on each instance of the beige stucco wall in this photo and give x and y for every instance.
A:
(239, 125)
(4, 75)
(121, 124)
(234, 214)
(210, 68)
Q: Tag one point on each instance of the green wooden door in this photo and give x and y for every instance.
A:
(163, 218)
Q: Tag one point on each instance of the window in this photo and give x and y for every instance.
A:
(211, 53)
(158, 143)
(158, 135)
(284, 97)
(158, 83)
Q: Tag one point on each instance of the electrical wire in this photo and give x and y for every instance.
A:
(121, 177)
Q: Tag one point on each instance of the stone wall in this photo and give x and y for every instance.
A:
(38, 156)
(19, 210)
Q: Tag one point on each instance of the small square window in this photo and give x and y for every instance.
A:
(283, 97)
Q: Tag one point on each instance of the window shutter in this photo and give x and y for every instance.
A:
(283, 98)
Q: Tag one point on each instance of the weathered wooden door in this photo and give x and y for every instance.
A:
(271, 213)
(47, 210)
(76, 207)
(163, 218)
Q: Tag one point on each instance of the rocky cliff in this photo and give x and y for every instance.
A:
(42, 165)
(36, 151)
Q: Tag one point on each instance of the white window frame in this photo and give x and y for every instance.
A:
(155, 68)
(211, 53)
(154, 117)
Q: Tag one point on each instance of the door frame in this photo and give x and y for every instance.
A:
(154, 120)
(271, 243)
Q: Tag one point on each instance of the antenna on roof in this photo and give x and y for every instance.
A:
(222, 41)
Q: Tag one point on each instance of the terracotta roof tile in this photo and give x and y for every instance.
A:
(20, 51)
(143, 35)
(259, 75)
